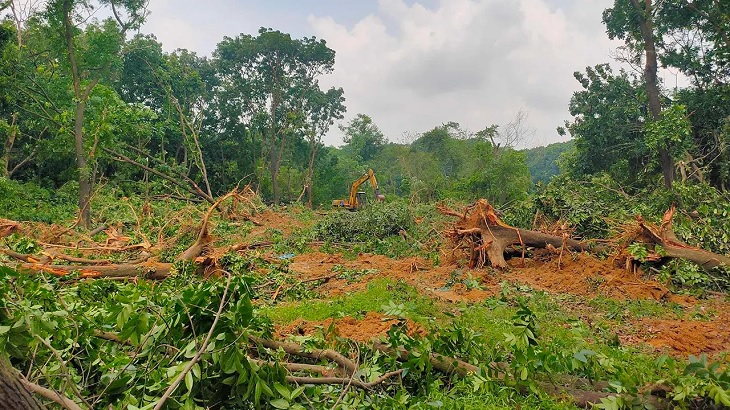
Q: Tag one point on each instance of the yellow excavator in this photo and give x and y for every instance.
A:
(357, 198)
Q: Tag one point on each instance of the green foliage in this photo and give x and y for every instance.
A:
(703, 379)
(609, 113)
(363, 139)
(543, 161)
(590, 206)
(672, 129)
(377, 221)
(39, 311)
(29, 202)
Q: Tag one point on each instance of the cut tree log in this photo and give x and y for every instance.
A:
(486, 237)
(148, 270)
(674, 248)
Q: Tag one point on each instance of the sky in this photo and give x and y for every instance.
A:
(412, 65)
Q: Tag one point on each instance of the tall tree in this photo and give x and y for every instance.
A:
(363, 139)
(608, 125)
(634, 23)
(90, 53)
(321, 110)
(271, 75)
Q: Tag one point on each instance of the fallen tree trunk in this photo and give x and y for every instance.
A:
(149, 270)
(674, 248)
(487, 237)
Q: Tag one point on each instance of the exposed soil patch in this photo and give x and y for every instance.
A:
(269, 219)
(585, 275)
(418, 272)
(579, 274)
(684, 337)
(373, 325)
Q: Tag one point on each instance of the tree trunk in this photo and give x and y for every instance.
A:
(81, 98)
(274, 170)
(83, 167)
(672, 247)
(310, 173)
(9, 145)
(646, 27)
(13, 394)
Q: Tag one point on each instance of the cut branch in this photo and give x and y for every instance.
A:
(188, 185)
(52, 395)
(317, 354)
(200, 351)
(344, 380)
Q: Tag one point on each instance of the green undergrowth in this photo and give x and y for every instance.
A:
(161, 326)
(396, 229)
(30, 202)
(539, 334)
(382, 295)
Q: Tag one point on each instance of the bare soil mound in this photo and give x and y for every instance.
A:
(578, 274)
(373, 325)
(270, 219)
(585, 275)
(684, 337)
(415, 271)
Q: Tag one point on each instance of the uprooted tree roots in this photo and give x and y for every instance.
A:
(485, 237)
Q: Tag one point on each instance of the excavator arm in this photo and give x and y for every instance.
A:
(353, 202)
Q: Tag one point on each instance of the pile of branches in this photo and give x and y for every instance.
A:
(52, 260)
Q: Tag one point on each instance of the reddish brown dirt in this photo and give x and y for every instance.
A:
(270, 219)
(585, 275)
(578, 274)
(417, 272)
(682, 337)
(371, 326)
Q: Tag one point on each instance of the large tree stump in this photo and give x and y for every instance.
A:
(486, 237)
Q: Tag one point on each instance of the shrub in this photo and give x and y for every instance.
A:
(377, 221)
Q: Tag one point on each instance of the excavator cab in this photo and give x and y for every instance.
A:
(362, 200)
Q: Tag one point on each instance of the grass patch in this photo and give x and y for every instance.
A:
(379, 293)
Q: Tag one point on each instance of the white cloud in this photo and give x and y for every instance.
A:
(413, 65)
(474, 62)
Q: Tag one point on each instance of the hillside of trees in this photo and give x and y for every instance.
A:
(543, 162)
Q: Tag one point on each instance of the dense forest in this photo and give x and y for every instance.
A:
(168, 239)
